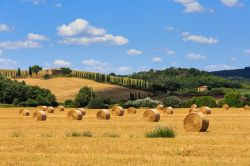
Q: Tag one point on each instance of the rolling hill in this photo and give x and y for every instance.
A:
(245, 73)
(67, 87)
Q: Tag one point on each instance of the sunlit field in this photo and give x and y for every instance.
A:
(121, 140)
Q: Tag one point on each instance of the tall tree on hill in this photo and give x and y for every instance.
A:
(36, 69)
(18, 74)
(30, 71)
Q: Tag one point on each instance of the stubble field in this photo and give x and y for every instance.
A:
(24, 141)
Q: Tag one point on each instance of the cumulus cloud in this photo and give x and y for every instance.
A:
(80, 32)
(5, 28)
(38, 37)
(157, 59)
(134, 52)
(125, 69)
(62, 63)
(192, 6)
(218, 67)
(35, 2)
(195, 57)
(7, 63)
(19, 44)
(58, 5)
(232, 3)
(247, 51)
(198, 38)
(97, 66)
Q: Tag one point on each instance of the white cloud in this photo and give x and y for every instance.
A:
(169, 52)
(219, 67)
(247, 51)
(198, 38)
(87, 34)
(125, 69)
(97, 66)
(233, 59)
(35, 2)
(32, 36)
(170, 28)
(195, 57)
(134, 52)
(19, 44)
(62, 63)
(7, 63)
(92, 62)
(58, 5)
(232, 3)
(157, 59)
(5, 28)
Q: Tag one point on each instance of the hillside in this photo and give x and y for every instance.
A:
(245, 73)
(67, 87)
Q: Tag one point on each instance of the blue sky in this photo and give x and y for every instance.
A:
(125, 36)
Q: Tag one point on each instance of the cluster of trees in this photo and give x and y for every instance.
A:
(234, 73)
(34, 69)
(19, 94)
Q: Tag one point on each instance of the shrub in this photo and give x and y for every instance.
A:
(87, 133)
(204, 101)
(186, 103)
(220, 103)
(79, 134)
(28, 103)
(46, 76)
(147, 102)
(232, 98)
(84, 96)
(99, 102)
(66, 70)
(111, 134)
(171, 101)
(161, 131)
(69, 103)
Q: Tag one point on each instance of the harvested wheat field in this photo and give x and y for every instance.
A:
(121, 140)
(66, 88)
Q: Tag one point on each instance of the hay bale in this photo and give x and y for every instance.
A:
(151, 115)
(159, 107)
(39, 115)
(226, 107)
(246, 107)
(168, 110)
(51, 110)
(192, 110)
(44, 108)
(205, 110)
(195, 122)
(132, 110)
(60, 108)
(23, 112)
(83, 111)
(103, 115)
(117, 111)
(194, 106)
(74, 115)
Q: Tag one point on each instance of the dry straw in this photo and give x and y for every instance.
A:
(159, 107)
(117, 110)
(132, 110)
(194, 106)
(74, 115)
(246, 107)
(103, 115)
(195, 122)
(192, 110)
(23, 112)
(39, 115)
(83, 111)
(205, 110)
(51, 110)
(151, 115)
(226, 107)
(44, 108)
(60, 108)
(168, 110)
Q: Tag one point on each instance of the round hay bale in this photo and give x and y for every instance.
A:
(132, 110)
(168, 110)
(117, 111)
(103, 115)
(159, 107)
(44, 108)
(192, 110)
(60, 108)
(151, 115)
(51, 110)
(74, 115)
(196, 122)
(194, 106)
(83, 111)
(246, 107)
(205, 110)
(226, 107)
(39, 115)
(23, 112)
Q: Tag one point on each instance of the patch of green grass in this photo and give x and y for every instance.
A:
(17, 134)
(161, 132)
(111, 134)
(79, 134)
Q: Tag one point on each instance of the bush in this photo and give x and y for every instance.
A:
(147, 102)
(79, 134)
(161, 131)
(186, 103)
(99, 102)
(232, 98)
(204, 101)
(220, 103)
(69, 103)
(28, 103)
(84, 96)
(171, 101)
(66, 70)
(111, 134)
(46, 76)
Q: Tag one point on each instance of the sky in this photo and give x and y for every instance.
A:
(125, 36)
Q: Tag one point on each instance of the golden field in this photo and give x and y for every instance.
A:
(25, 141)
(66, 88)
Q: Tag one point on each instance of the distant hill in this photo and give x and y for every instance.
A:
(245, 73)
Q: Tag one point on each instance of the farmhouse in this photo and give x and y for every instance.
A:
(53, 71)
(202, 88)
